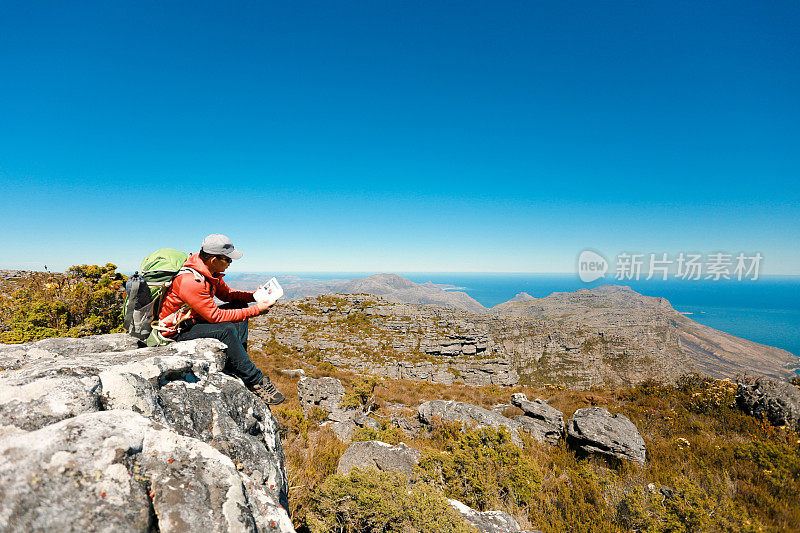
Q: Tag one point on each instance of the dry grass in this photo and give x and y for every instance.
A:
(728, 471)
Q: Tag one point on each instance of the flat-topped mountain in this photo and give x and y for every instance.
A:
(619, 312)
(600, 337)
(390, 286)
(400, 289)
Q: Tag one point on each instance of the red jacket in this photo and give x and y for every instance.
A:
(199, 296)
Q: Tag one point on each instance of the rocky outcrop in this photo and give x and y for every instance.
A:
(379, 455)
(778, 402)
(390, 286)
(351, 331)
(594, 430)
(540, 421)
(400, 289)
(411, 426)
(327, 394)
(469, 415)
(613, 335)
(486, 521)
(608, 337)
(122, 471)
(94, 431)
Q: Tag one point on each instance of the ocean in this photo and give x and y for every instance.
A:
(766, 310)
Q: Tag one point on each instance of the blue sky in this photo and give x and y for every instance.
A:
(399, 136)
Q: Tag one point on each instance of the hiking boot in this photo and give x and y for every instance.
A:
(267, 392)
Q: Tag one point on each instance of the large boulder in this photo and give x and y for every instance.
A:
(486, 521)
(119, 471)
(469, 415)
(778, 402)
(412, 426)
(325, 393)
(541, 421)
(12, 356)
(175, 424)
(595, 430)
(379, 455)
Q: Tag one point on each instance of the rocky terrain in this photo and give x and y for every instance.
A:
(8, 277)
(609, 336)
(389, 286)
(624, 319)
(99, 435)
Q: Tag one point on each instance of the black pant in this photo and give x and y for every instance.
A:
(234, 335)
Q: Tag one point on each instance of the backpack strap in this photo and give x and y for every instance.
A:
(169, 324)
(197, 275)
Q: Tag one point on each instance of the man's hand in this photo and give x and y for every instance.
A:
(263, 307)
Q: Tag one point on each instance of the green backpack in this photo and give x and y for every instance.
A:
(145, 290)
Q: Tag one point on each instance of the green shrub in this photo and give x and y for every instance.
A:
(482, 467)
(291, 421)
(310, 459)
(779, 465)
(87, 300)
(685, 508)
(368, 500)
(387, 434)
(360, 393)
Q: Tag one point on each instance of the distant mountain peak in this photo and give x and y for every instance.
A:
(388, 279)
(400, 289)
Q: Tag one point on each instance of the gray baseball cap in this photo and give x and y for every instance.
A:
(218, 244)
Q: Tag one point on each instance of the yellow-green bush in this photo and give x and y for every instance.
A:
(481, 467)
(372, 501)
(360, 393)
(387, 434)
(87, 300)
(684, 508)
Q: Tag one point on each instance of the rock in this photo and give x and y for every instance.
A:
(667, 492)
(325, 393)
(470, 415)
(379, 455)
(363, 420)
(294, 373)
(206, 448)
(594, 430)
(500, 407)
(411, 426)
(540, 431)
(119, 470)
(486, 521)
(343, 429)
(769, 399)
(541, 421)
(13, 356)
(35, 404)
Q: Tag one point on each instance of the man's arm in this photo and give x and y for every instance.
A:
(225, 293)
(196, 294)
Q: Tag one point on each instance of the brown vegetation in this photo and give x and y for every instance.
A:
(710, 467)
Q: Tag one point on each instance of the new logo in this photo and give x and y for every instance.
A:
(591, 266)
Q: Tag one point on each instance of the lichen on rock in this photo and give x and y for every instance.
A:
(97, 431)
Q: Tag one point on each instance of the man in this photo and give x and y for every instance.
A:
(189, 311)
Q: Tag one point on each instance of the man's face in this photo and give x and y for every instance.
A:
(219, 263)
